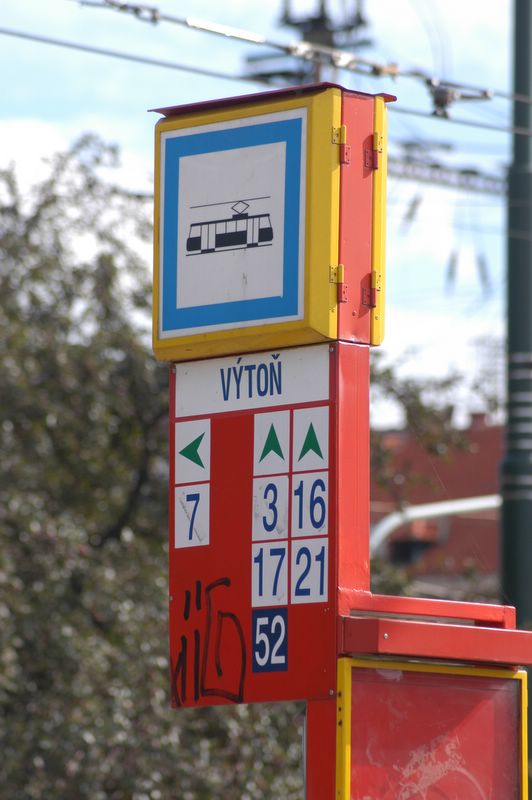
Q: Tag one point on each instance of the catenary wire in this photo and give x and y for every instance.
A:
(309, 51)
(232, 77)
(101, 51)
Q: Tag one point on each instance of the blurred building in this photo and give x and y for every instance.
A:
(451, 556)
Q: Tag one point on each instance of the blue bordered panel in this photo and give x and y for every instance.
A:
(232, 224)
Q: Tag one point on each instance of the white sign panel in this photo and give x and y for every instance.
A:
(192, 515)
(255, 380)
(232, 223)
(311, 439)
(192, 451)
(309, 570)
(271, 443)
(269, 576)
(231, 249)
(270, 508)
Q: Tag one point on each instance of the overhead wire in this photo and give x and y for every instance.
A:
(132, 57)
(334, 57)
(433, 32)
(102, 51)
(470, 123)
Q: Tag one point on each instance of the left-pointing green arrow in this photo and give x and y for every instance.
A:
(191, 451)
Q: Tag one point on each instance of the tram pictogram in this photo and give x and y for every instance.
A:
(241, 230)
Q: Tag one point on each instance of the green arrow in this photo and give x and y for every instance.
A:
(271, 445)
(191, 451)
(310, 443)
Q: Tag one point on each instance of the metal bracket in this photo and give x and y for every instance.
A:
(339, 135)
(369, 296)
(336, 275)
(345, 154)
(378, 148)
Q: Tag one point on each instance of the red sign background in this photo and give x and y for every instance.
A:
(215, 645)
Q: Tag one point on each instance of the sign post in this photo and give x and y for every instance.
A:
(268, 292)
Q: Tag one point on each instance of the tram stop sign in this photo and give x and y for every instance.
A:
(269, 222)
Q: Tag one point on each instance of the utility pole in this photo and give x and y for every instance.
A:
(320, 29)
(517, 462)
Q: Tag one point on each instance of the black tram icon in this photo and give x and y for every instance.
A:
(240, 231)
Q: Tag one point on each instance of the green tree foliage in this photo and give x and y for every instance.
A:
(83, 427)
(84, 689)
(427, 409)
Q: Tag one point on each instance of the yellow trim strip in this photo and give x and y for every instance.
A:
(343, 730)
(441, 669)
(323, 213)
(378, 227)
(524, 734)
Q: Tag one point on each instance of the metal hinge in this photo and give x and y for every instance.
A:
(369, 296)
(378, 148)
(339, 137)
(336, 275)
(372, 157)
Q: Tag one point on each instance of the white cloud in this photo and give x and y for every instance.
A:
(26, 143)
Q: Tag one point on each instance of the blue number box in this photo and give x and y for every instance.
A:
(269, 639)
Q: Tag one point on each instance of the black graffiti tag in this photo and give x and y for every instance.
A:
(211, 660)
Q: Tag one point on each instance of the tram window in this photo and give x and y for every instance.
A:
(265, 229)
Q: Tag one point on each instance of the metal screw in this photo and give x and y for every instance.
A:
(386, 635)
(331, 692)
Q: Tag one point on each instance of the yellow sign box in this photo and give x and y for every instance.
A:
(247, 224)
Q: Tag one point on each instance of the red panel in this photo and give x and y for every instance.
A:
(434, 640)
(486, 614)
(352, 380)
(422, 735)
(320, 756)
(215, 628)
(356, 178)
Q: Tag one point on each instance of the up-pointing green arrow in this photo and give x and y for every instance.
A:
(311, 443)
(271, 445)
(191, 451)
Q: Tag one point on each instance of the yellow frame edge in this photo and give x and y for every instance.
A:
(378, 226)
(343, 709)
(322, 214)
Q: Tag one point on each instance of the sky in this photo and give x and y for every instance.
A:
(51, 95)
